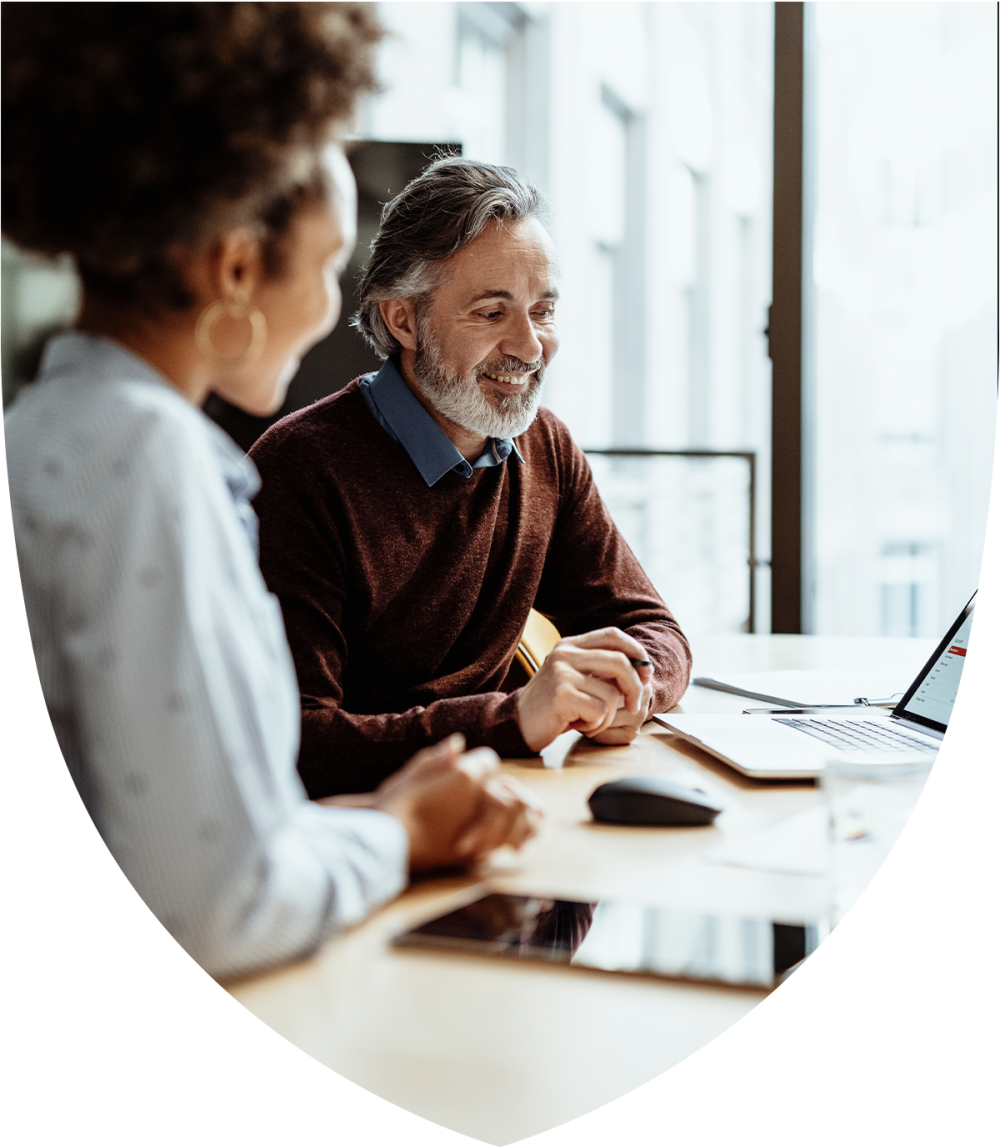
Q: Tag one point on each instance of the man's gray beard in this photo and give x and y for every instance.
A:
(460, 397)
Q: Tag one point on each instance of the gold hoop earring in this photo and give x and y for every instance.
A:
(236, 309)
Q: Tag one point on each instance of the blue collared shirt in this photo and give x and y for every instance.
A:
(403, 417)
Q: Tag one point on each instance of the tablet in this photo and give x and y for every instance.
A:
(621, 936)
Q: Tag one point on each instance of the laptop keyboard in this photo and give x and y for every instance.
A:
(854, 735)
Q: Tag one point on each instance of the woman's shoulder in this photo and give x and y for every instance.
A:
(85, 383)
(96, 418)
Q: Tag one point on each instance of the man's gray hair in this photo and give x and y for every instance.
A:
(448, 205)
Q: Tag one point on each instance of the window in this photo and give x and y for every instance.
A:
(901, 301)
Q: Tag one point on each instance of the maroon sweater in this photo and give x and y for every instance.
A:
(404, 604)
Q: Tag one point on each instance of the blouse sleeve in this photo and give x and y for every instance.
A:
(171, 688)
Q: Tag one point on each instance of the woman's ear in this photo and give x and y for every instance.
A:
(401, 319)
(237, 267)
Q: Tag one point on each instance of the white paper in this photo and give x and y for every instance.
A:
(798, 845)
(801, 845)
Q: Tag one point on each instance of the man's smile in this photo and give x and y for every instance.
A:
(510, 376)
(515, 380)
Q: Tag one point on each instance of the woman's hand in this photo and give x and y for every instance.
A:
(456, 806)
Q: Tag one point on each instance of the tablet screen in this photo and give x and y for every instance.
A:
(620, 936)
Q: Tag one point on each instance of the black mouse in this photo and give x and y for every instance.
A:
(652, 800)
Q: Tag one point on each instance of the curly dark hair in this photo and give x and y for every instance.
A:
(130, 129)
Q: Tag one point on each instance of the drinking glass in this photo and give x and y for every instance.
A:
(868, 801)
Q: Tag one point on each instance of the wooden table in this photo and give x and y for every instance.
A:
(501, 1050)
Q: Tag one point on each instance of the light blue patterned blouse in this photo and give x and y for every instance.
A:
(165, 668)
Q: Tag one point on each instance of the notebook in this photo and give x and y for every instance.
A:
(797, 745)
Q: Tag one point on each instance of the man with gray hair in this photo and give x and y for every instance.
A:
(410, 522)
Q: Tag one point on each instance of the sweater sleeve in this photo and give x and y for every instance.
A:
(369, 747)
(592, 579)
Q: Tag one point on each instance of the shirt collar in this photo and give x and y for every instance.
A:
(404, 418)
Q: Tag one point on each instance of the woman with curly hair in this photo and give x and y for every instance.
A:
(187, 157)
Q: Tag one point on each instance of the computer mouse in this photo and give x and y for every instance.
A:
(652, 801)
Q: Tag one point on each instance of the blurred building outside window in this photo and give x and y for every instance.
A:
(39, 297)
(649, 126)
(902, 308)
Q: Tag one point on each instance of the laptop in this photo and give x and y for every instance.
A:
(797, 744)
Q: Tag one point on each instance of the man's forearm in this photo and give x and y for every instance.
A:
(344, 752)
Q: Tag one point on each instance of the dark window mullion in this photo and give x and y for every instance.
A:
(785, 324)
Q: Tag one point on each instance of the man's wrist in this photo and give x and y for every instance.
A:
(532, 725)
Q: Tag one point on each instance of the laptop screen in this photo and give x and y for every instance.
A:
(931, 697)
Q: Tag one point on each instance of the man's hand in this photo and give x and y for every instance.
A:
(587, 683)
(456, 807)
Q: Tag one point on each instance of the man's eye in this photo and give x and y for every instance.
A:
(491, 314)
(548, 313)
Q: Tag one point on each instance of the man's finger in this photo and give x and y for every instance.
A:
(624, 717)
(588, 687)
(590, 704)
(616, 735)
(609, 667)
(610, 638)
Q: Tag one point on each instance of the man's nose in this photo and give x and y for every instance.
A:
(521, 340)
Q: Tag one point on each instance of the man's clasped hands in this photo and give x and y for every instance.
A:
(457, 806)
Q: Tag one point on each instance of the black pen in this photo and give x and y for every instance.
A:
(638, 663)
(809, 709)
